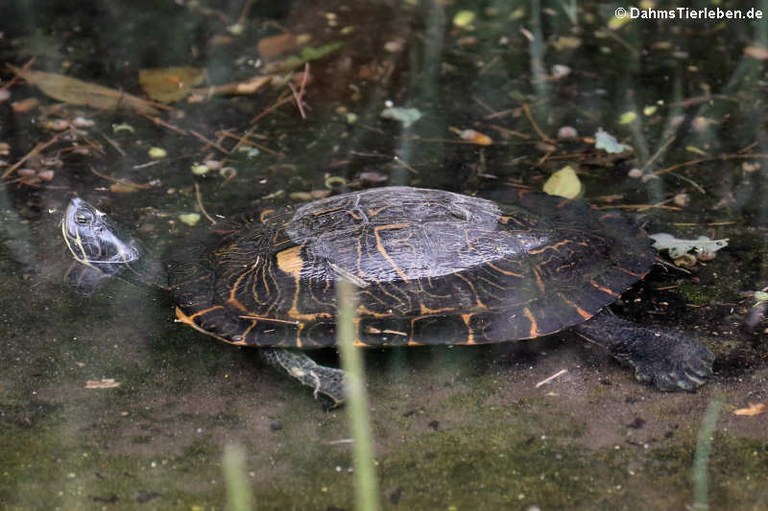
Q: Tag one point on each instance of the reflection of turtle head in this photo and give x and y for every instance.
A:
(101, 248)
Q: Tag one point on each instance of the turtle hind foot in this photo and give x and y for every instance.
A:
(327, 383)
(673, 362)
(669, 359)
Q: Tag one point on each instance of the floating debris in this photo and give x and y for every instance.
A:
(117, 128)
(608, 143)
(190, 219)
(199, 169)
(405, 116)
(464, 19)
(473, 136)
(628, 118)
(751, 410)
(104, 383)
(703, 248)
(157, 153)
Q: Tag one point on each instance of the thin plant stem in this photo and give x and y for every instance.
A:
(366, 482)
(701, 457)
(239, 496)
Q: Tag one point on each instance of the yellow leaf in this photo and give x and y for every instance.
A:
(564, 183)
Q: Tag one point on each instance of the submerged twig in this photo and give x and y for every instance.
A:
(298, 96)
(529, 116)
(33, 152)
(713, 158)
(549, 379)
(199, 199)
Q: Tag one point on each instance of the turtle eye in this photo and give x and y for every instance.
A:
(83, 217)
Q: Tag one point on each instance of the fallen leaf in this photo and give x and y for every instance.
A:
(564, 183)
(78, 92)
(276, 45)
(170, 84)
(125, 186)
(751, 410)
(307, 54)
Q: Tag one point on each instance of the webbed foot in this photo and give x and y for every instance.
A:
(669, 359)
(671, 362)
(327, 382)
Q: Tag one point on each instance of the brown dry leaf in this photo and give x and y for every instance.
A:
(250, 86)
(276, 45)
(751, 410)
(125, 186)
(104, 383)
(170, 84)
(77, 92)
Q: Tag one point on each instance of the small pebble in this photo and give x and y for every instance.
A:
(372, 177)
(46, 175)
(57, 125)
(82, 122)
(560, 71)
(567, 132)
(212, 164)
(681, 199)
(300, 196)
(319, 194)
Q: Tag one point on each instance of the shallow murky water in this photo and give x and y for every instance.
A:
(454, 428)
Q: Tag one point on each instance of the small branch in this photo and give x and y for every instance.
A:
(199, 199)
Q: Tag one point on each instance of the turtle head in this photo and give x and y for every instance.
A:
(101, 248)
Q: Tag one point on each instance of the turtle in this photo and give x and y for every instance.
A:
(431, 267)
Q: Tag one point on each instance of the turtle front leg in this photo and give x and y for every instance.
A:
(671, 360)
(327, 382)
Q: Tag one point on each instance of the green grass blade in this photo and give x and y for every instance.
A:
(239, 496)
(701, 457)
(366, 482)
